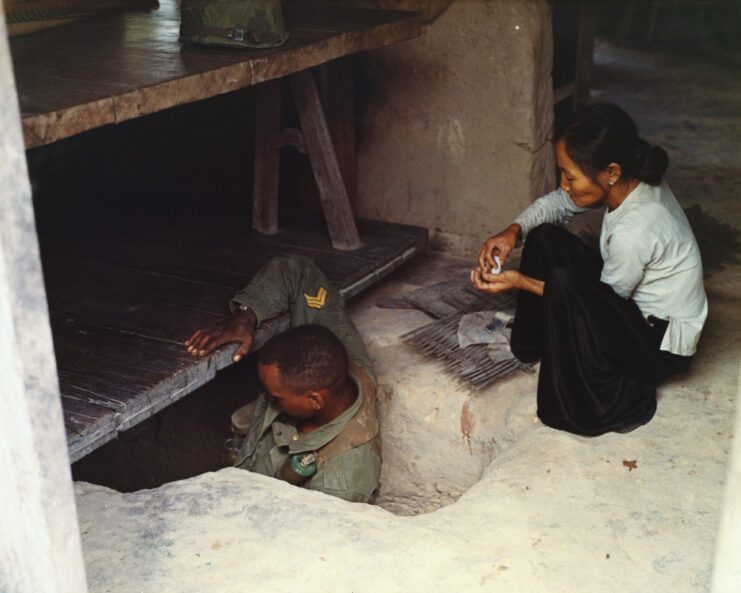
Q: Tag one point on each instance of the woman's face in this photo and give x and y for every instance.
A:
(582, 190)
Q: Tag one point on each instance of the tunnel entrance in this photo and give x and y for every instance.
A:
(183, 440)
(430, 460)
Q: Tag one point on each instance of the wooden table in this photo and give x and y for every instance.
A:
(121, 305)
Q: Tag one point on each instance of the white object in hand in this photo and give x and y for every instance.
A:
(498, 268)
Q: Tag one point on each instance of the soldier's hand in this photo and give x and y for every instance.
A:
(240, 329)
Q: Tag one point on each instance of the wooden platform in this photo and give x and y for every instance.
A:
(122, 305)
(112, 68)
(123, 301)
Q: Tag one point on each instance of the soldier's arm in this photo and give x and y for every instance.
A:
(352, 476)
(292, 284)
(296, 284)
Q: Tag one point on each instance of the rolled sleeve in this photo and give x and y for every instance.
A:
(273, 289)
(287, 284)
(553, 207)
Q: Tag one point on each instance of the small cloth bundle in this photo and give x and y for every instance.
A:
(500, 351)
(483, 327)
(233, 23)
(487, 327)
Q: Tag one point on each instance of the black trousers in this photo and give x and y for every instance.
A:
(600, 359)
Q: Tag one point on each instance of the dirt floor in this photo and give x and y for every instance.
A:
(527, 508)
(690, 104)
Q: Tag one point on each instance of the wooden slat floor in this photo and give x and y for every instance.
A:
(122, 305)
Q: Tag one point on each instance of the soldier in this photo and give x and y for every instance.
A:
(316, 424)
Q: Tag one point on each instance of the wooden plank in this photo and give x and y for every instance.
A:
(121, 365)
(83, 418)
(160, 384)
(224, 262)
(121, 304)
(76, 390)
(349, 290)
(267, 158)
(382, 243)
(219, 258)
(78, 449)
(88, 426)
(140, 303)
(332, 192)
(212, 260)
(116, 67)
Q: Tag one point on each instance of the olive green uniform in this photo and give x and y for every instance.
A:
(296, 284)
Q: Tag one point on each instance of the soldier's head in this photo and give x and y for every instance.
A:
(302, 369)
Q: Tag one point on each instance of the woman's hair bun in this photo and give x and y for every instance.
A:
(651, 162)
(602, 133)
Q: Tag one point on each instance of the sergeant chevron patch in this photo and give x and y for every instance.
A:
(316, 302)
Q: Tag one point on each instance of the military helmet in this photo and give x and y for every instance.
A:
(233, 23)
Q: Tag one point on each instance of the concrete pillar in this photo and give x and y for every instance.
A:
(455, 125)
(40, 550)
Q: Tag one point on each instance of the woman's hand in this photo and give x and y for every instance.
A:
(495, 283)
(507, 280)
(501, 245)
(240, 328)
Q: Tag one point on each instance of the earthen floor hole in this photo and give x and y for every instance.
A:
(423, 470)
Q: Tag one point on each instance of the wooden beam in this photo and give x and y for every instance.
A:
(267, 158)
(337, 91)
(332, 191)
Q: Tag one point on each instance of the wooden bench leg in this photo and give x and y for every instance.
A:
(267, 158)
(629, 11)
(584, 55)
(337, 93)
(332, 192)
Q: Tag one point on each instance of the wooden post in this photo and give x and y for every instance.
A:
(40, 549)
(267, 158)
(584, 55)
(652, 23)
(337, 91)
(628, 12)
(332, 191)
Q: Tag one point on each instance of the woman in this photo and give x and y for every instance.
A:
(607, 329)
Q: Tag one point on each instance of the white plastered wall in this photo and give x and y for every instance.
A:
(40, 549)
